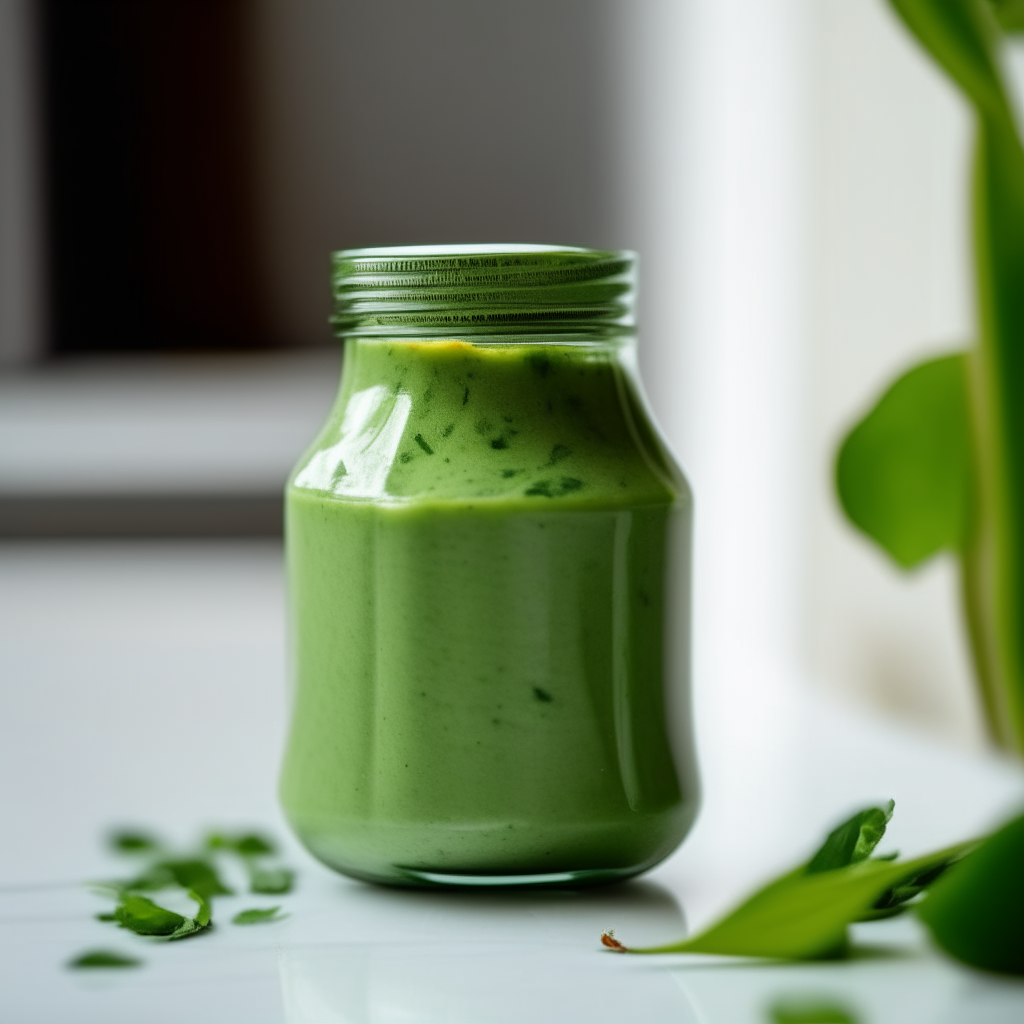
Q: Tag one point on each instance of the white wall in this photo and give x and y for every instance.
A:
(890, 285)
(401, 121)
(794, 175)
(714, 169)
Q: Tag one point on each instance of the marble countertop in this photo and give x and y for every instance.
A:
(142, 683)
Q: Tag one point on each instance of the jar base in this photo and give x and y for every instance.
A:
(554, 879)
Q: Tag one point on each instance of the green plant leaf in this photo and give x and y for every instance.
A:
(801, 916)
(1009, 14)
(853, 841)
(804, 914)
(102, 958)
(896, 900)
(258, 915)
(976, 912)
(903, 473)
(962, 37)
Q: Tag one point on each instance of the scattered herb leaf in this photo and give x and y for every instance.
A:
(271, 881)
(156, 876)
(246, 844)
(258, 915)
(189, 873)
(144, 917)
(254, 845)
(192, 925)
(133, 841)
(102, 958)
(198, 875)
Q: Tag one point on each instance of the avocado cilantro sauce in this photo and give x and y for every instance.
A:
(488, 564)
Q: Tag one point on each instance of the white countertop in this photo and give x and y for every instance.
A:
(142, 683)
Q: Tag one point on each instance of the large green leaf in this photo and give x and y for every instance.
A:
(805, 917)
(804, 914)
(976, 912)
(962, 36)
(1009, 14)
(903, 473)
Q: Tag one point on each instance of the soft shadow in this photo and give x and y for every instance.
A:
(648, 911)
(490, 957)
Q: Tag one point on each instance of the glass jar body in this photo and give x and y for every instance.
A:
(489, 572)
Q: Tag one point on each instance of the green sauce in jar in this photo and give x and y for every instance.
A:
(488, 566)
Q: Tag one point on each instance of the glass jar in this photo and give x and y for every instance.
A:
(489, 572)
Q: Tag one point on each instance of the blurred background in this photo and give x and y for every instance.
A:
(172, 176)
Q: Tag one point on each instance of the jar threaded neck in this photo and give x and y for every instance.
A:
(428, 291)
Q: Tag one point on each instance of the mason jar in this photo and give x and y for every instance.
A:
(488, 552)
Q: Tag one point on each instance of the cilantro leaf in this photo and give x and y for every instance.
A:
(271, 881)
(198, 875)
(190, 873)
(258, 915)
(250, 844)
(192, 925)
(853, 841)
(133, 841)
(102, 958)
(249, 847)
(156, 876)
(144, 917)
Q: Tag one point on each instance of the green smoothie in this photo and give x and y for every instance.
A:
(480, 546)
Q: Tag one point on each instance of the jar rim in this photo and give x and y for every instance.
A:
(483, 288)
(463, 249)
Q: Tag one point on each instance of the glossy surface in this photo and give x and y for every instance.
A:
(487, 547)
(116, 653)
